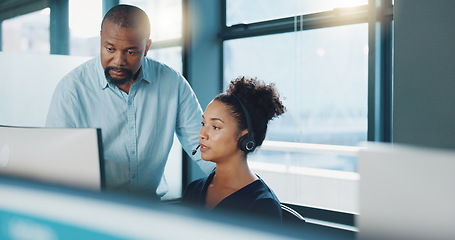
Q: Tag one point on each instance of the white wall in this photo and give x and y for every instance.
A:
(27, 83)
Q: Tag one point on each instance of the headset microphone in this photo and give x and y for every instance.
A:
(195, 150)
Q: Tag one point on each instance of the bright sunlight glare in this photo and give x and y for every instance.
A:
(348, 3)
(85, 18)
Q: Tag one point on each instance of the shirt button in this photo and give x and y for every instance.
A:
(133, 152)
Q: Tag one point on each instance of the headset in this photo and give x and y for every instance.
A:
(246, 142)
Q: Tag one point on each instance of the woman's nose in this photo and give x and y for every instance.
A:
(202, 134)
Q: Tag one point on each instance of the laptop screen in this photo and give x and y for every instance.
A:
(66, 156)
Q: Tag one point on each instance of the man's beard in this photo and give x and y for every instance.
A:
(118, 81)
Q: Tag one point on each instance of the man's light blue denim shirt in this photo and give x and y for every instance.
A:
(137, 128)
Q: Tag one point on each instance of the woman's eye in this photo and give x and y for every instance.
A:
(216, 128)
(202, 123)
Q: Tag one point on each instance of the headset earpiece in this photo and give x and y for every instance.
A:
(246, 142)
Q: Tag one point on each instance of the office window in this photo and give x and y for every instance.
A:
(241, 11)
(28, 33)
(319, 54)
(322, 76)
(85, 26)
(165, 17)
(171, 56)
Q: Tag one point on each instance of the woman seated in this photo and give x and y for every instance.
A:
(233, 125)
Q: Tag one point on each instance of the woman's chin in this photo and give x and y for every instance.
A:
(206, 158)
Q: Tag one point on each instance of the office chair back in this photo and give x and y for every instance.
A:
(290, 215)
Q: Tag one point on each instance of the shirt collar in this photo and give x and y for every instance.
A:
(146, 71)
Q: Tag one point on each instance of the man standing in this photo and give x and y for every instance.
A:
(137, 102)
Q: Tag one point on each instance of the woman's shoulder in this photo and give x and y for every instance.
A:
(197, 188)
(265, 198)
(196, 184)
(262, 190)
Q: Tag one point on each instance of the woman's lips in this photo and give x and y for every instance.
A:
(203, 148)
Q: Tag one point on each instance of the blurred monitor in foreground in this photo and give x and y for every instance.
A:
(68, 156)
(406, 192)
(36, 210)
(46, 180)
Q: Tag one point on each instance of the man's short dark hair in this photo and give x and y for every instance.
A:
(128, 16)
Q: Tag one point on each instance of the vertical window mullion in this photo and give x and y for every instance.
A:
(380, 72)
(59, 27)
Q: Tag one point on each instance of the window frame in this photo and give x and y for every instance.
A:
(379, 16)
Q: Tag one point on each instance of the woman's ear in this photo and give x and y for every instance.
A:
(242, 133)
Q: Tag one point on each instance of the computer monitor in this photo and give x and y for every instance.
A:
(406, 192)
(68, 156)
